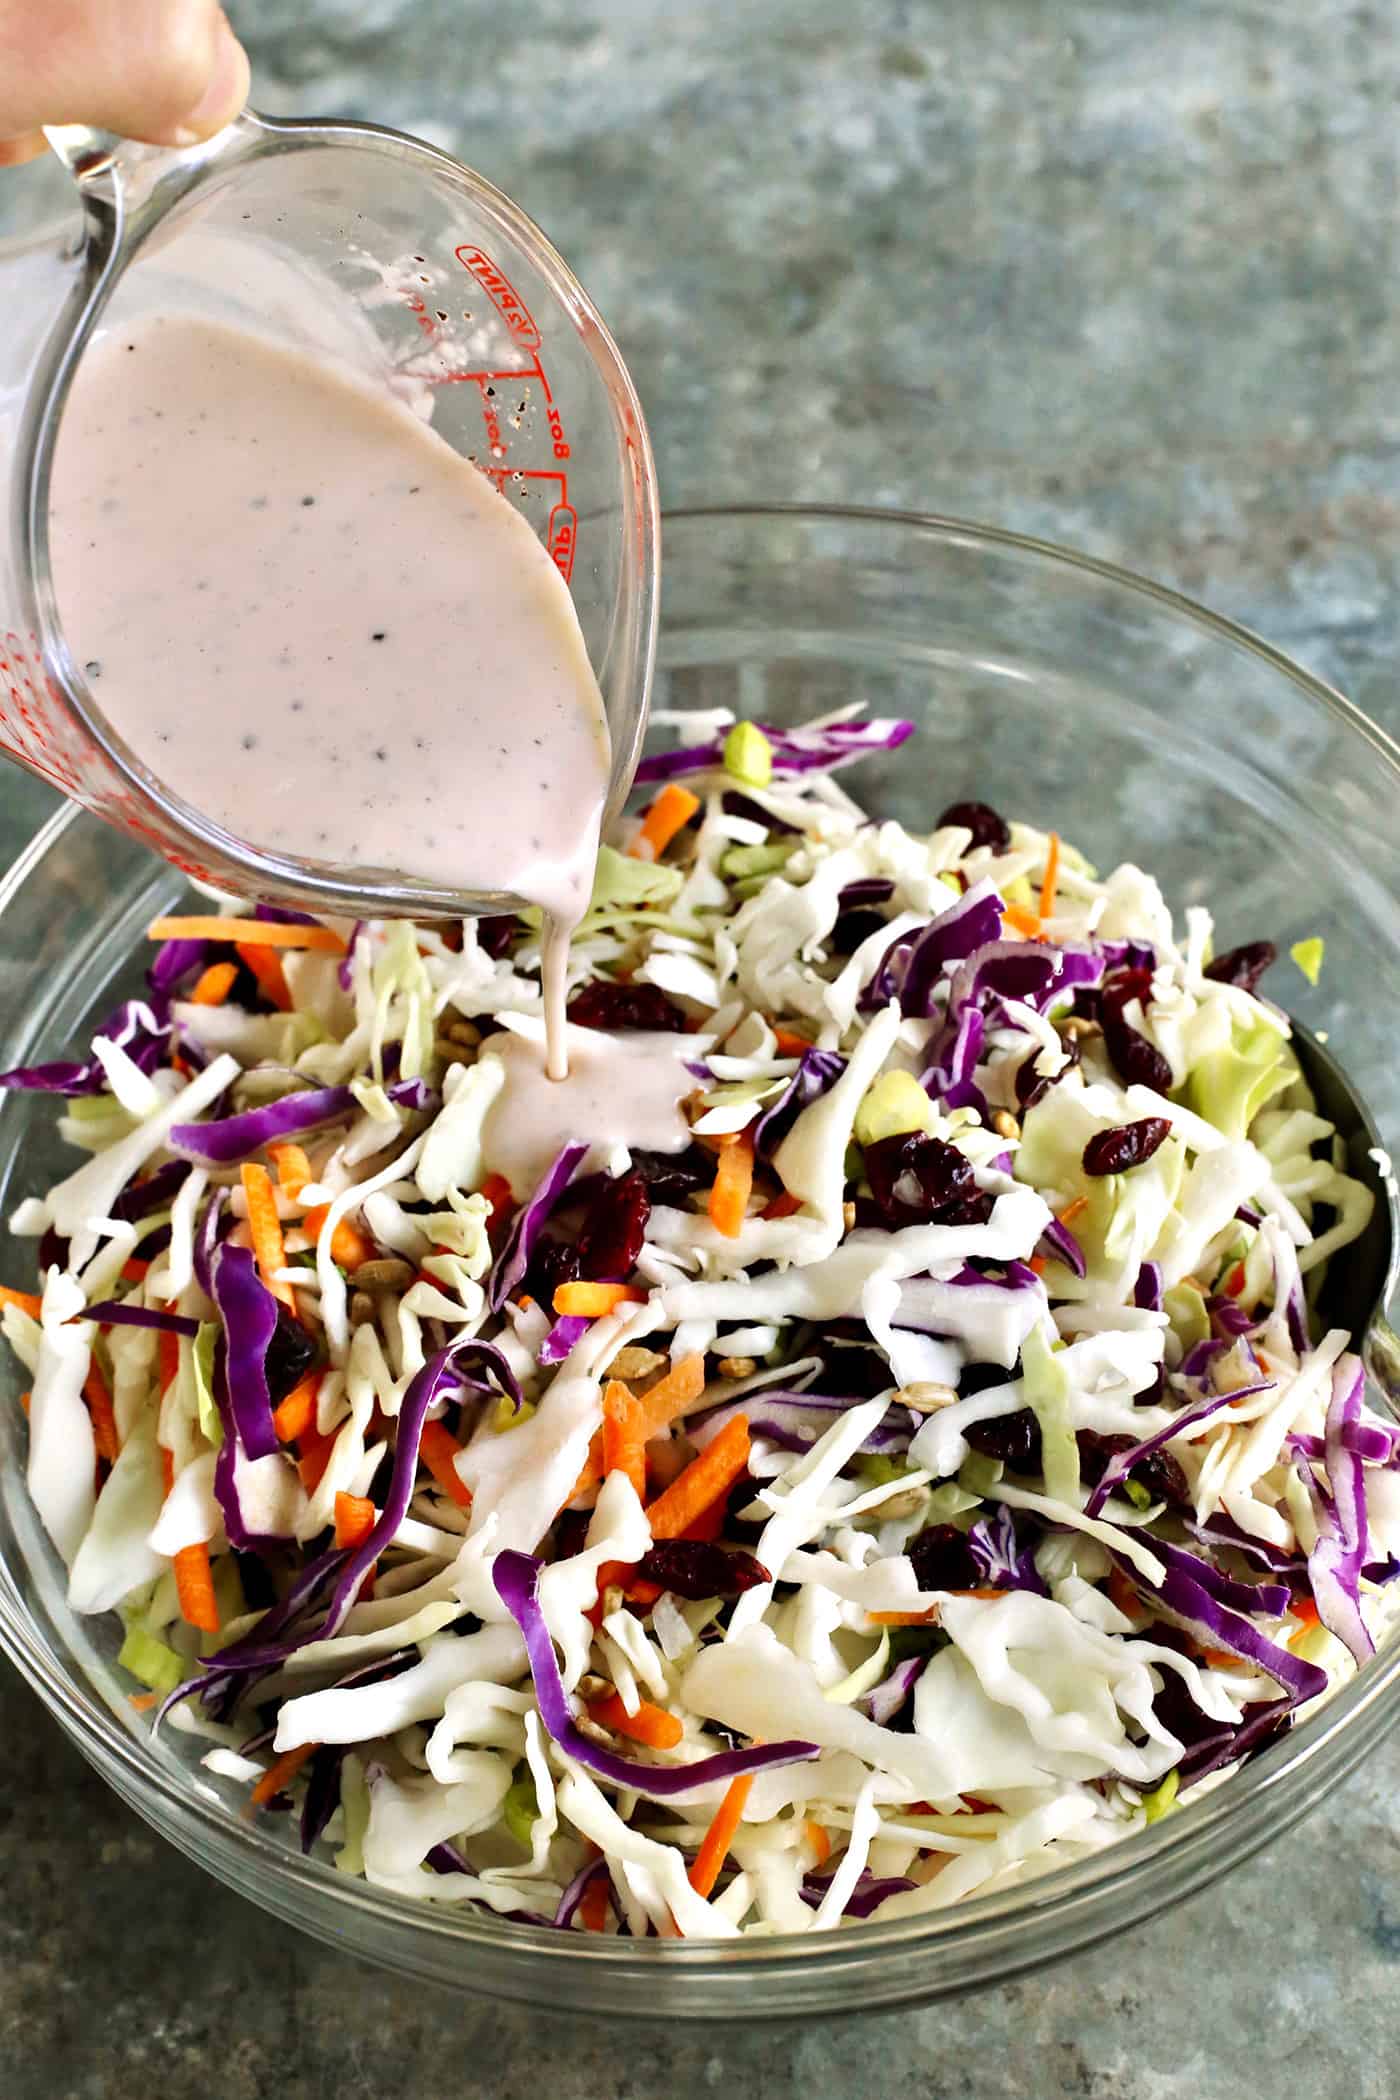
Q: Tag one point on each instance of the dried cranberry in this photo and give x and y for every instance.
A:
(552, 1263)
(672, 1176)
(615, 1227)
(1033, 1086)
(853, 927)
(737, 805)
(606, 1005)
(1132, 1056)
(1243, 966)
(915, 1178)
(1117, 1151)
(494, 935)
(987, 828)
(943, 1559)
(695, 1568)
(852, 1370)
(571, 1532)
(1159, 1473)
(290, 1355)
(1014, 1439)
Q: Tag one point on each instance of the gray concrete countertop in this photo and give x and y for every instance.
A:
(1121, 274)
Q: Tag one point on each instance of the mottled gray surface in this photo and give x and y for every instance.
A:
(1122, 275)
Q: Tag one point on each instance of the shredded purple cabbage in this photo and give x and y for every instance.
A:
(993, 1544)
(885, 1699)
(232, 1138)
(529, 1222)
(816, 1074)
(794, 750)
(1197, 1596)
(141, 1027)
(248, 1311)
(1339, 1556)
(111, 1312)
(517, 1580)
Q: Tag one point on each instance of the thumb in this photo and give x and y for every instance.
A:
(165, 71)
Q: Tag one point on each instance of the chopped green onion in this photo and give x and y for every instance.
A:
(748, 755)
(1308, 956)
(1162, 1798)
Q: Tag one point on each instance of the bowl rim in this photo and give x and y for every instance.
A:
(984, 1937)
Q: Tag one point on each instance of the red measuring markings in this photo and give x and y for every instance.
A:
(561, 530)
(503, 296)
(562, 526)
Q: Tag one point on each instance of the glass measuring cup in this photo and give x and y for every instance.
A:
(383, 253)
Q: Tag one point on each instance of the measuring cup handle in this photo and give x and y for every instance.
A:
(144, 179)
(82, 149)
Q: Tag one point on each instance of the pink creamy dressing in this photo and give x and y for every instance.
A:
(620, 1090)
(321, 627)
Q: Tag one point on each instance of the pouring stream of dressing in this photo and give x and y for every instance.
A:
(322, 628)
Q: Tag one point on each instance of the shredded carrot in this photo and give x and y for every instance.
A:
(784, 1205)
(819, 1841)
(167, 1359)
(1021, 921)
(1306, 1611)
(1037, 1264)
(194, 1585)
(291, 1166)
(437, 1449)
(134, 1271)
(497, 1191)
(589, 1301)
(714, 1846)
(214, 984)
(1234, 1282)
(265, 1229)
(355, 1518)
(672, 1395)
(265, 933)
(104, 1420)
(729, 1198)
(668, 1398)
(669, 813)
(297, 1413)
(25, 1301)
(790, 1043)
(624, 1446)
(349, 1247)
(1072, 1210)
(649, 1724)
(277, 1775)
(1122, 1593)
(26, 1401)
(1050, 878)
(266, 966)
(593, 1910)
(315, 1457)
(904, 1618)
(711, 1474)
(144, 1701)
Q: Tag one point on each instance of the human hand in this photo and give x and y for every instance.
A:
(166, 71)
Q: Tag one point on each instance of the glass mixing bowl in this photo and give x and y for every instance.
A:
(1061, 690)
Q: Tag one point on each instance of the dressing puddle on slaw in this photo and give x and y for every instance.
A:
(322, 628)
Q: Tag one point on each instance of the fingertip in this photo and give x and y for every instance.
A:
(15, 152)
(223, 98)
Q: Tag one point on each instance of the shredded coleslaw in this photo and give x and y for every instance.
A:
(931, 1474)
